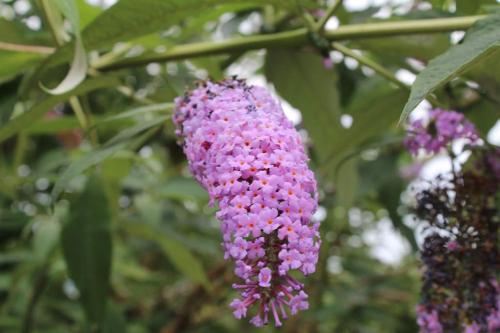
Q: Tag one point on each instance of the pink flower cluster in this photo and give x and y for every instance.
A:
(428, 321)
(443, 127)
(249, 157)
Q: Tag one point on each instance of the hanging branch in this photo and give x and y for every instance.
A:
(296, 38)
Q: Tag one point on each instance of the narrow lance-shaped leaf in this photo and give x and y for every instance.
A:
(78, 67)
(26, 119)
(79, 166)
(8, 99)
(134, 130)
(86, 244)
(178, 254)
(480, 40)
(76, 73)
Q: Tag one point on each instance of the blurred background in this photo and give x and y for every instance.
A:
(109, 211)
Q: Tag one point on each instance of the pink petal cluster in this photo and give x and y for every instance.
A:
(473, 328)
(443, 127)
(494, 320)
(428, 321)
(251, 160)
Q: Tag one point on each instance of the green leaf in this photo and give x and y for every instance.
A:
(8, 100)
(487, 74)
(138, 111)
(178, 254)
(14, 63)
(481, 39)
(484, 114)
(374, 107)
(182, 189)
(346, 183)
(26, 119)
(86, 244)
(114, 321)
(87, 12)
(134, 130)
(18, 33)
(46, 237)
(78, 67)
(53, 125)
(467, 7)
(76, 74)
(70, 10)
(393, 49)
(302, 80)
(129, 19)
(78, 167)
(67, 123)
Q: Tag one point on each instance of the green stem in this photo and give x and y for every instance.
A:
(329, 12)
(298, 37)
(79, 113)
(37, 49)
(306, 17)
(379, 69)
(53, 21)
(36, 293)
(20, 150)
(371, 64)
(391, 28)
(83, 119)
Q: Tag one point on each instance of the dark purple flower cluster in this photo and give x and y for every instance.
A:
(460, 291)
(251, 160)
(442, 128)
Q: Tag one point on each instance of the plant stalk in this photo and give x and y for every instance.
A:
(365, 61)
(329, 13)
(380, 70)
(297, 37)
(37, 49)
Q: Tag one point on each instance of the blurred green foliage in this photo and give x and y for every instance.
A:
(103, 230)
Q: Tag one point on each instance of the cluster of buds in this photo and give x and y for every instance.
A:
(460, 255)
(242, 149)
(439, 131)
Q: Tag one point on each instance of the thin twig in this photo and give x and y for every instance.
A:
(305, 16)
(379, 69)
(38, 288)
(329, 13)
(38, 49)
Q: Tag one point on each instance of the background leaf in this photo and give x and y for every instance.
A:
(86, 244)
(176, 252)
(78, 167)
(8, 99)
(302, 80)
(24, 120)
(130, 19)
(481, 39)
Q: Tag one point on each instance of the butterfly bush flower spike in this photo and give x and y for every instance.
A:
(442, 128)
(250, 159)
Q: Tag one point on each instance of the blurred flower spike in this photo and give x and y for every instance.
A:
(442, 128)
